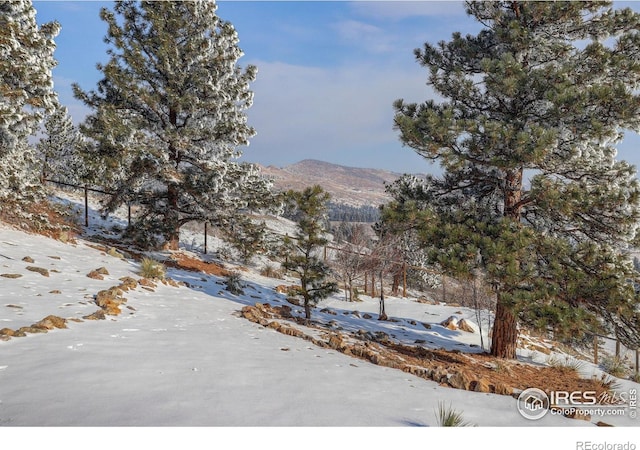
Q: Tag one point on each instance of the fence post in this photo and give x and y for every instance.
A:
(205, 238)
(129, 213)
(617, 348)
(86, 206)
(637, 360)
(595, 349)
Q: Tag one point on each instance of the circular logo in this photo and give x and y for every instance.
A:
(533, 404)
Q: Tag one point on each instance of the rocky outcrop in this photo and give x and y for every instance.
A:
(377, 348)
(453, 323)
(110, 300)
(127, 283)
(97, 315)
(48, 323)
(467, 325)
(98, 274)
(40, 270)
(51, 322)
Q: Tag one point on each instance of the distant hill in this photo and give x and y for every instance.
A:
(351, 186)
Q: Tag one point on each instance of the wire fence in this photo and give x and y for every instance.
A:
(86, 189)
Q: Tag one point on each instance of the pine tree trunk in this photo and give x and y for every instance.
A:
(504, 339)
(307, 310)
(172, 219)
(173, 216)
(395, 286)
(173, 243)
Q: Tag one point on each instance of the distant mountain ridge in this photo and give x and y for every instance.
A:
(351, 186)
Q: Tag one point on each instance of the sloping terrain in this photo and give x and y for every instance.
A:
(182, 352)
(347, 185)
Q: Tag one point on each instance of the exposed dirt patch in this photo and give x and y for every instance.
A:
(45, 218)
(182, 261)
(516, 374)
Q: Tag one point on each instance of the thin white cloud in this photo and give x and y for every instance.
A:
(322, 113)
(354, 29)
(371, 37)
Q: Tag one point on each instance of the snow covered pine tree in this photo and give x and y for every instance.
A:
(59, 148)
(169, 116)
(543, 92)
(26, 94)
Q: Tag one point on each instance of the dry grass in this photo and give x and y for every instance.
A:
(150, 268)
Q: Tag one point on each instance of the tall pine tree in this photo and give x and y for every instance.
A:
(26, 95)
(169, 116)
(532, 191)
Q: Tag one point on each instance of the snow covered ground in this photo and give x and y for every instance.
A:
(182, 357)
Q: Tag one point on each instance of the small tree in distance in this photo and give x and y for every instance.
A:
(58, 150)
(310, 209)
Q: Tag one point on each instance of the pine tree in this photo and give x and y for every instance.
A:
(26, 94)
(169, 116)
(532, 191)
(246, 236)
(310, 209)
(59, 148)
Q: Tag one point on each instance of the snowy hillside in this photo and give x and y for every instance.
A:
(183, 355)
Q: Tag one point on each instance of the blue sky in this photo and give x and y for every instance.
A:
(328, 73)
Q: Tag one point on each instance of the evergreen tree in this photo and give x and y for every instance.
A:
(246, 236)
(169, 116)
(310, 209)
(59, 149)
(26, 94)
(532, 191)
